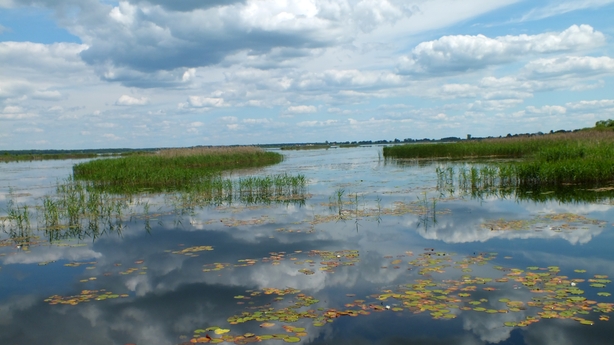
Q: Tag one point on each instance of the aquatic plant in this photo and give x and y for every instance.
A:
(585, 158)
(170, 169)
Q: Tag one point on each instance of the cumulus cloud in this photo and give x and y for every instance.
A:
(206, 102)
(129, 100)
(547, 109)
(461, 53)
(570, 65)
(302, 109)
(594, 104)
(372, 13)
(151, 38)
(56, 58)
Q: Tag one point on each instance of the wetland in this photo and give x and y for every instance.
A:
(328, 246)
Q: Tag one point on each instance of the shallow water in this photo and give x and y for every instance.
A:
(370, 237)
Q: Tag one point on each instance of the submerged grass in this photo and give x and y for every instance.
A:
(583, 157)
(79, 210)
(171, 169)
(481, 181)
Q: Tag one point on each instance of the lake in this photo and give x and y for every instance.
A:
(372, 252)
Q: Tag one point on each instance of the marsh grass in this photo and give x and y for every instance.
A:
(500, 181)
(170, 169)
(582, 158)
(251, 190)
(79, 210)
(39, 157)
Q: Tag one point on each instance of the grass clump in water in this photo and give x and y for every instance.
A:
(583, 157)
(171, 168)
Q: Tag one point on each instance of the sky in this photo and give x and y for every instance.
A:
(87, 74)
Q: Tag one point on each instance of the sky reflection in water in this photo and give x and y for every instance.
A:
(169, 295)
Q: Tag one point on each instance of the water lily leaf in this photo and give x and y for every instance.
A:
(221, 331)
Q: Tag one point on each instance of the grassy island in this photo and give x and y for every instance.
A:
(172, 168)
(579, 157)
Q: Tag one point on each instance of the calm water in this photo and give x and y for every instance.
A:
(375, 254)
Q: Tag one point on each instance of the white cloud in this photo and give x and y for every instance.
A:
(111, 136)
(570, 65)
(307, 123)
(206, 102)
(372, 13)
(229, 118)
(497, 105)
(547, 109)
(594, 104)
(28, 130)
(256, 121)
(129, 100)
(462, 52)
(52, 58)
(12, 109)
(317, 123)
(561, 7)
(302, 109)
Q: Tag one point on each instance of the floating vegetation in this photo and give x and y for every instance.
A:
(551, 295)
(326, 261)
(84, 296)
(550, 222)
(190, 251)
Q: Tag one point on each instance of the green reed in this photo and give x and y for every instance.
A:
(282, 188)
(79, 209)
(502, 181)
(170, 169)
(585, 158)
(17, 220)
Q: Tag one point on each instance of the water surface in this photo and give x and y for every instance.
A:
(343, 266)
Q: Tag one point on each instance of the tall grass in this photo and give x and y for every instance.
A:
(172, 168)
(585, 157)
(78, 210)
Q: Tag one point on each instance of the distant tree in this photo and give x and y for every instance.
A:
(604, 123)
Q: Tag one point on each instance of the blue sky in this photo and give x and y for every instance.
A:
(166, 73)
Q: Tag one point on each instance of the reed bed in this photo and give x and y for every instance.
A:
(39, 157)
(483, 181)
(282, 188)
(584, 157)
(79, 210)
(172, 168)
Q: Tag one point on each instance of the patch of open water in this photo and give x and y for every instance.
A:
(375, 255)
